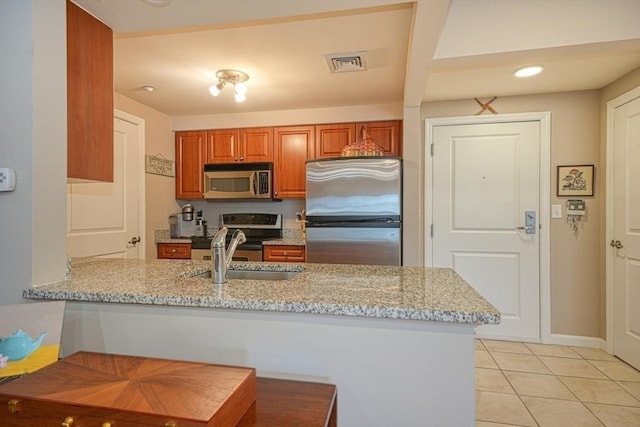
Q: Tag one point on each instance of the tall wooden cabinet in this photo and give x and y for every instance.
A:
(293, 146)
(89, 97)
(190, 149)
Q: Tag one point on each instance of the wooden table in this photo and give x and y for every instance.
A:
(95, 389)
(284, 403)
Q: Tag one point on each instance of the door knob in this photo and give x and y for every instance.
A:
(616, 244)
(135, 240)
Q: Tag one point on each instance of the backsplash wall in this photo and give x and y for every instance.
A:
(212, 210)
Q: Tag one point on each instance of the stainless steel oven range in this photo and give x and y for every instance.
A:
(258, 227)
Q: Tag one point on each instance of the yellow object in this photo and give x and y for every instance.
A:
(43, 356)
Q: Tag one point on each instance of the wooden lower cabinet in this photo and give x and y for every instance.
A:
(106, 390)
(283, 253)
(174, 250)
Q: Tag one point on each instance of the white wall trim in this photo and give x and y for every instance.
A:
(611, 106)
(545, 197)
(576, 341)
(122, 115)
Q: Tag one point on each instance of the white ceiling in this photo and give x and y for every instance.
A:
(427, 50)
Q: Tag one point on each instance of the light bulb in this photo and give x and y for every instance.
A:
(240, 88)
(240, 97)
(216, 89)
(528, 71)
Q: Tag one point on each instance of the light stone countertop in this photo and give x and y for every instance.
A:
(417, 293)
(289, 237)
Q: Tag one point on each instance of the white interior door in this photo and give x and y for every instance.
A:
(485, 181)
(103, 218)
(625, 236)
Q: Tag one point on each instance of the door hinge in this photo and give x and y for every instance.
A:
(431, 230)
(432, 149)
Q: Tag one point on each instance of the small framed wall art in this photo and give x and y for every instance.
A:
(575, 180)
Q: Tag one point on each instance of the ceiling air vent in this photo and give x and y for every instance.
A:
(343, 62)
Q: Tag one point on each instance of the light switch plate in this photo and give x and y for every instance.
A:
(556, 211)
(7, 179)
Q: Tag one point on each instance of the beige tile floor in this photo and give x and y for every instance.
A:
(537, 385)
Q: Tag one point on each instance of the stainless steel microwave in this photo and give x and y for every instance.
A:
(238, 181)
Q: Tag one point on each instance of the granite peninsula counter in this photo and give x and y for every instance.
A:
(397, 341)
(434, 294)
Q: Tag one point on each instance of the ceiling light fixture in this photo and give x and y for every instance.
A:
(232, 77)
(528, 71)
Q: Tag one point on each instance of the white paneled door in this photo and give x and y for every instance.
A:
(485, 213)
(103, 219)
(625, 235)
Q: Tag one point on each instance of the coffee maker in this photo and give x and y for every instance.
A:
(183, 224)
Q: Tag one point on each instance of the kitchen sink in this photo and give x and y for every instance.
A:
(254, 275)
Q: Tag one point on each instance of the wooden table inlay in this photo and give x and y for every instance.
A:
(130, 390)
(95, 389)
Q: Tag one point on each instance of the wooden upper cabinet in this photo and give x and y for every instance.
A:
(331, 139)
(222, 146)
(239, 145)
(89, 97)
(190, 149)
(386, 134)
(256, 144)
(293, 146)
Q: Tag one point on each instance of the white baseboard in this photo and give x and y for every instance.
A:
(576, 340)
(559, 339)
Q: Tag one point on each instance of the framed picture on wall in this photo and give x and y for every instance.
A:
(575, 180)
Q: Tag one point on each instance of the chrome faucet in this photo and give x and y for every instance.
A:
(221, 258)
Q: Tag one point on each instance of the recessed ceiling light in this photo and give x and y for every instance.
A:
(149, 88)
(528, 71)
(158, 3)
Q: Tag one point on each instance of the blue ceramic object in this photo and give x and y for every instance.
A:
(19, 345)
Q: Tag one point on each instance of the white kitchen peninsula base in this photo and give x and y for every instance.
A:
(388, 372)
(397, 341)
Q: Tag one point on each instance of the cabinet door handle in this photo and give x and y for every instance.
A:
(13, 406)
(68, 422)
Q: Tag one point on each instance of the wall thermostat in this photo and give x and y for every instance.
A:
(7, 179)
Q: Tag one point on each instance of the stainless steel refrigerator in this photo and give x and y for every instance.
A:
(354, 210)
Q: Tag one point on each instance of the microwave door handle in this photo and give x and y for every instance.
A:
(254, 183)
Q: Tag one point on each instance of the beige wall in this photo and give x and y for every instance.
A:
(159, 190)
(577, 275)
(33, 141)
